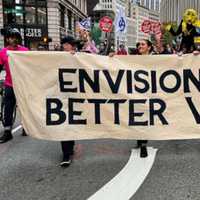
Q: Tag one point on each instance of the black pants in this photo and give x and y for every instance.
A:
(10, 102)
(141, 142)
(67, 147)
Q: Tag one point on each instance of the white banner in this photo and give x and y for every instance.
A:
(83, 96)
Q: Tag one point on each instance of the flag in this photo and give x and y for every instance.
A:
(120, 22)
(85, 24)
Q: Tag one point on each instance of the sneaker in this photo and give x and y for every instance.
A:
(143, 152)
(67, 160)
(6, 137)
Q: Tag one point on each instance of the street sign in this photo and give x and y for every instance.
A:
(152, 27)
(146, 26)
(105, 24)
(156, 27)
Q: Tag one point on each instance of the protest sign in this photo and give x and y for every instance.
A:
(83, 96)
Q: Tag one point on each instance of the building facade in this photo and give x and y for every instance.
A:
(42, 23)
(150, 4)
(172, 10)
(141, 11)
(29, 17)
(62, 18)
(131, 34)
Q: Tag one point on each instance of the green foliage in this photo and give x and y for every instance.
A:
(96, 33)
(167, 37)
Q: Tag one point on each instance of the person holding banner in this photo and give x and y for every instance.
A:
(69, 44)
(121, 50)
(13, 40)
(83, 29)
(89, 45)
(145, 47)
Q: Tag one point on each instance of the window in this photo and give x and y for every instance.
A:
(8, 2)
(19, 1)
(147, 3)
(42, 15)
(19, 14)
(62, 16)
(25, 11)
(30, 15)
(157, 5)
(13, 14)
(30, 2)
(69, 15)
(41, 2)
(9, 15)
(152, 4)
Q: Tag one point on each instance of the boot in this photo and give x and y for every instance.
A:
(6, 136)
(143, 151)
(24, 132)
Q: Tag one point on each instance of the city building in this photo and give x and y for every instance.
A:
(42, 22)
(150, 4)
(90, 6)
(140, 14)
(172, 10)
(62, 17)
(131, 34)
(142, 10)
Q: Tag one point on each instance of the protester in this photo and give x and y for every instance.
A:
(13, 40)
(102, 48)
(144, 47)
(89, 47)
(56, 47)
(86, 43)
(196, 53)
(121, 50)
(69, 44)
(164, 49)
(135, 51)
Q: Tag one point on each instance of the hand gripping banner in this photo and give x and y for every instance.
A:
(83, 96)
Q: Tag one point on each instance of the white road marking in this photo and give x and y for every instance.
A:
(125, 184)
(16, 129)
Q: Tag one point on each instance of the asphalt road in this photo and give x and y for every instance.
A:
(29, 169)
